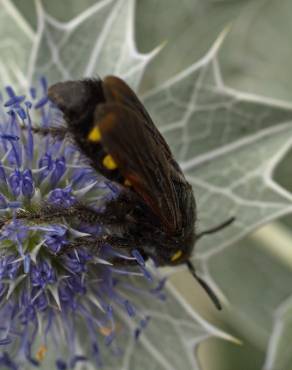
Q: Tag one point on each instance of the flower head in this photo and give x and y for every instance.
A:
(58, 278)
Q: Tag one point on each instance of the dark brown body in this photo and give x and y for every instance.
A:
(156, 209)
(155, 212)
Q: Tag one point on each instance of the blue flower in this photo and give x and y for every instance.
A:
(55, 283)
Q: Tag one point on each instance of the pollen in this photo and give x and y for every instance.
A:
(109, 163)
(94, 135)
(40, 355)
(176, 256)
(105, 330)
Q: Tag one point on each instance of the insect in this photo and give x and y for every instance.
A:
(157, 208)
(155, 211)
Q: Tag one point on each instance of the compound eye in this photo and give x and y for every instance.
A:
(177, 255)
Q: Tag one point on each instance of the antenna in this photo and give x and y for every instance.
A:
(205, 286)
(216, 228)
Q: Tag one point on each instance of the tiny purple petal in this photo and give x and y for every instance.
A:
(9, 137)
(10, 91)
(61, 280)
(42, 274)
(5, 341)
(14, 100)
(130, 308)
(43, 101)
(6, 361)
(26, 263)
(32, 92)
(56, 239)
(109, 338)
(61, 365)
(62, 197)
(21, 113)
(27, 183)
(3, 202)
(15, 182)
(58, 172)
(137, 255)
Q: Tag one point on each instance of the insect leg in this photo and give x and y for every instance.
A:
(114, 213)
(49, 213)
(96, 243)
(55, 132)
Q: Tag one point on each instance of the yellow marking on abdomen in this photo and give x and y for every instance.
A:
(109, 163)
(176, 256)
(94, 135)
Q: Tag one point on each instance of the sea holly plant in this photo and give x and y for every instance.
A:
(62, 304)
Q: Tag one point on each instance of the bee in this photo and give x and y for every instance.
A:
(156, 209)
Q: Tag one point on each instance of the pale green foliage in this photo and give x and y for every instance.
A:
(227, 142)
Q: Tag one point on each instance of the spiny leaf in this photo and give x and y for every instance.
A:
(228, 144)
(100, 40)
(260, 294)
(17, 38)
(172, 335)
(97, 42)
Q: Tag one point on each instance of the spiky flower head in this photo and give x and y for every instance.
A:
(57, 280)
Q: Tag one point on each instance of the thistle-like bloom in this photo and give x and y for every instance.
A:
(56, 282)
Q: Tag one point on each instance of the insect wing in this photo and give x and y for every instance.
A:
(140, 160)
(117, 91)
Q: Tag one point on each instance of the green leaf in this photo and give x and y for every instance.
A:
(257, 54)
(17, 38)
(228, 144)
(101, 40)
(169, 341)
(260, 294)
(171, 338)
(62, 11)
(183, 29)
(97, 42)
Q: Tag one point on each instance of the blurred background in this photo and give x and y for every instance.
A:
(255, 274)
